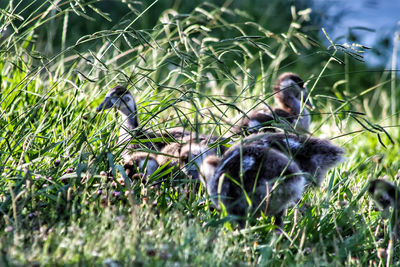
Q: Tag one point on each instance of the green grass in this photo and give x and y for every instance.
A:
(199, 70)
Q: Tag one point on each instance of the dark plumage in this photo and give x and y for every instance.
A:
(140, 164)
(268, 177)
(289, 94)
(386, 194)
(314, 156)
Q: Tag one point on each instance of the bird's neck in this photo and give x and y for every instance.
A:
(290, 104)
(303, 121)
(293, 106)
(129, 116)
(129, 125)
(130, 121)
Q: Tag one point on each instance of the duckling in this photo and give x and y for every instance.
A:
(289, 93)
(170, 156)
(139, 165)
(386, 194)
(314, 156)
(192, 156)
(247, 171)
(174, 156)
(188, 155)
(120, 98)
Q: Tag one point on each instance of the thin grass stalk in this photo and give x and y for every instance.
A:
(347, 72)
(263, 77)
(64, 38)
(394, 76)
(122, 32)
(14, 207)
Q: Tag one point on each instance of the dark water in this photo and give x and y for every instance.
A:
(382, 16)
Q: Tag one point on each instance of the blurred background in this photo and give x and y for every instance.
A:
(372, 23)
(365, 33)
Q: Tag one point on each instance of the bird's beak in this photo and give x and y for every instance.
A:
(106, 104)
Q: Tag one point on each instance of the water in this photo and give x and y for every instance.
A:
(383, 16)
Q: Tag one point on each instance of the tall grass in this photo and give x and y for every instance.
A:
(62, 199)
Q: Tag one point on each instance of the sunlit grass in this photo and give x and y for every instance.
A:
(201, 71)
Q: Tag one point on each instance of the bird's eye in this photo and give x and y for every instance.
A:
(126, 98)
